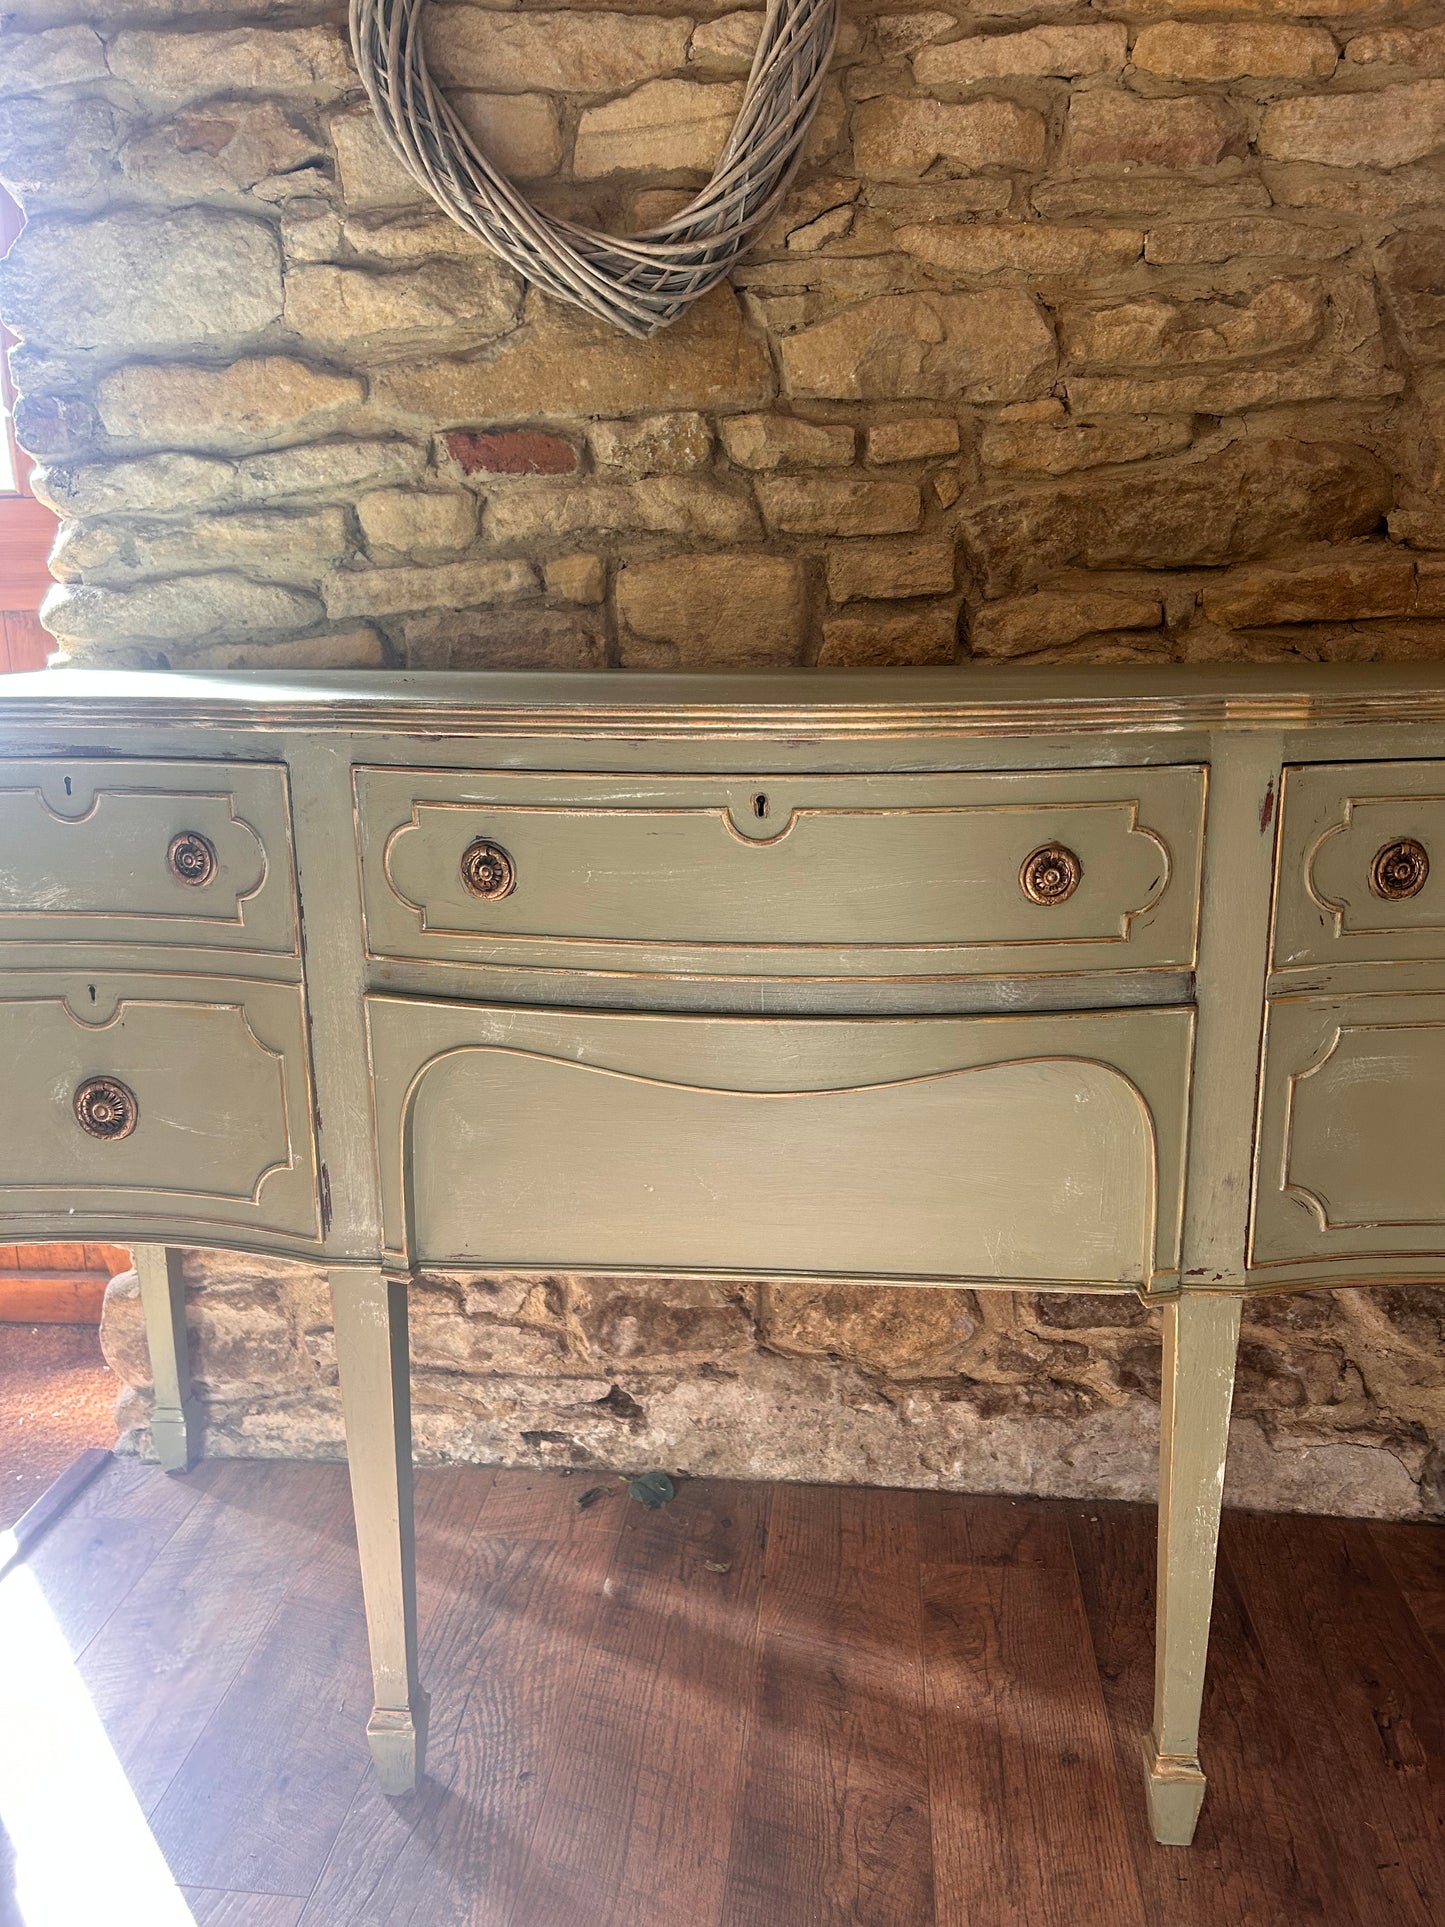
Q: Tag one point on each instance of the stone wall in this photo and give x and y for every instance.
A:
(1088, 332)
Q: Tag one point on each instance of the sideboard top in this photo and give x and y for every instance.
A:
(824, 704)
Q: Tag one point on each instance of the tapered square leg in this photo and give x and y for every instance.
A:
(1201, 1336)
(176, 1419)
(373, 1358)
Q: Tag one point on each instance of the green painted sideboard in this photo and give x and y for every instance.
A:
(1113, 980)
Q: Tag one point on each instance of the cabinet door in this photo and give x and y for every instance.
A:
(1036, 1150)
(1352, 1130)
(150, 1106)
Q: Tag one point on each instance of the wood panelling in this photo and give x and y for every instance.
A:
(758, 1707)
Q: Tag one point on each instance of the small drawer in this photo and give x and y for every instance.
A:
(1026, 1150)
(1352, 1130)
(1361, 864)
(1019, 873)
(190, 855)
(173, 1099)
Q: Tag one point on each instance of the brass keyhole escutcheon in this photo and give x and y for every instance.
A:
(191, 858)
(106, 1109)
(487, 870)
(1050, 874)
(1399, 870)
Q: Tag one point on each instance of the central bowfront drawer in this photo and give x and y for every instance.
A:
(1028, 1149)
(1017, 873)
(109, 851)
(132, 1100)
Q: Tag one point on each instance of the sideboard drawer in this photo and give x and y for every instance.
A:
(176, 1098)
(103, 851)
(1352, 1129)
(1038, 1150)
(784, 876)
(1361, 864)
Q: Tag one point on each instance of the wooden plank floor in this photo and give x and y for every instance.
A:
(759, 1707)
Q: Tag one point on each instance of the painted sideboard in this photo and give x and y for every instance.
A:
(1125, 980)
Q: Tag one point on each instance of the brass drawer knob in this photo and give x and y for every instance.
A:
(191, 857)
(106, 1108)
(487, 870)
(1399, 870)
(1050, 874)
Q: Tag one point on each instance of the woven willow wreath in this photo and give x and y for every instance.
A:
(638, 282)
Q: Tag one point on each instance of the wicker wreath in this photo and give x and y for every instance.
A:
(638, 282)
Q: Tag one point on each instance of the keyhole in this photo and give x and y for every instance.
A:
(67, 786)
(760, 805)
(91, 989)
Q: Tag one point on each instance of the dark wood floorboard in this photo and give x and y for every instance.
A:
(832, 1822)
(757, 1707)
(1262, 1851)
(512, 1636)
(1017, 1724)
(1367, 1696)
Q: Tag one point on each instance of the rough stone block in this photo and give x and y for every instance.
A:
(655, 445)
(851, 505)
(222, 147)
(220, 605)
(1263, 51)
(1233, 504)
(1111, 128)
(1177, 243)
(174, 69)
(561, 364)
(58, 153)
(728, 42)
(889, 570)
(1068, 51)
(740, 610)
(1345, 585)
(1412, 277)
(295, 547)
(886, 639)
(333, 649)
(451, 301)
(1153, 332)
(520, 133)
(506, 639)
(1059, 446)
(63, 57)
(448, 585)
(142, 279)
(1229, 391)
(663, 1326)
(1384, 128)
(767, 442)
(1025, 247)
(331, 468)
(901, 135)
(576, 578)
(260, 399)
(664, 124)
(528, 512)
(152, 485)
(1048, 619)
(917, 439)
(416, 521)
(907, 1334)
(581, 53)
(1399, 46)
(369, 173)
(993, 346)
